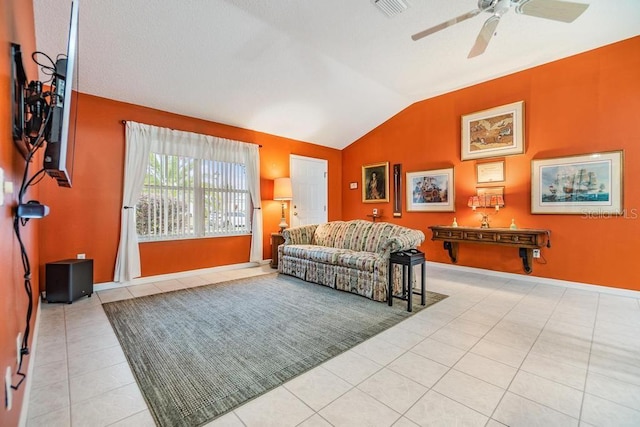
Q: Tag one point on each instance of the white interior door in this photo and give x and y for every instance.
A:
(309, 184)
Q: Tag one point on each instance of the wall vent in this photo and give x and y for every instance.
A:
(391, 7)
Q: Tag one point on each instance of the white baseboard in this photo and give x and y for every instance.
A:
(628, 293)
(24, 411)
(181, 274)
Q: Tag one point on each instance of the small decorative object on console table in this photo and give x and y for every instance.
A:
(525, 239)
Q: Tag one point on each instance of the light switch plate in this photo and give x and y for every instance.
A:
(1, 187)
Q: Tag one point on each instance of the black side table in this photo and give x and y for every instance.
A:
(407, 259)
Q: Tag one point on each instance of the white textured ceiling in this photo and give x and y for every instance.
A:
(321, 71)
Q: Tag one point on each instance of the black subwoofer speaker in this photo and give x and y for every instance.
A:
(69, 279)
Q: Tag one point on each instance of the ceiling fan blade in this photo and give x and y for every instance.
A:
(556, 10)
(484, 36)
(446, 24)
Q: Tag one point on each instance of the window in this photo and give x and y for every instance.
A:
(183, 197)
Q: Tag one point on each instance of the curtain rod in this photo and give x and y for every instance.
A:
(124, 122)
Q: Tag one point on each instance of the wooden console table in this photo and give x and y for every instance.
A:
(526, 239)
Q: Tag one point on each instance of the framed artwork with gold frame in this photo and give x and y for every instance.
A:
(375, 183)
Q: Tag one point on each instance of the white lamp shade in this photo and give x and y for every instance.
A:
(282, 189)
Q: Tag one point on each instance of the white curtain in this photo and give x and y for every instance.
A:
(252, 157)
(135, 164)
(140, 141)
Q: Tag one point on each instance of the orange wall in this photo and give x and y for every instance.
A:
(86, 218)
(582, 104)
(16, 25)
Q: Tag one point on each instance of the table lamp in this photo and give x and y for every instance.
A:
(282, 192)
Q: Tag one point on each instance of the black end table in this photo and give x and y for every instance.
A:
(407, 259)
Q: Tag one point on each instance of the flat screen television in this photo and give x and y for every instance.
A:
(19, 77)
(60, 134)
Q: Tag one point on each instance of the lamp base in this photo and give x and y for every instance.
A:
(283, 221)
(484, 221)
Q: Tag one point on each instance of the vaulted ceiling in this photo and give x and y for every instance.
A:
(325, 72)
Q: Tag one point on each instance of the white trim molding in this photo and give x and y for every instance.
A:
(181, 274)
(628, 293)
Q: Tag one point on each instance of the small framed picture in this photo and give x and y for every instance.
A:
(495, 132)
(490, 172)
(430, 191)
(375, 183)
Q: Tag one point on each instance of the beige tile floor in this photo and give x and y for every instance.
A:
(496, 352)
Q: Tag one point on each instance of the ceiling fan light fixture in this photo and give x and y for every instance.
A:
(391, 8)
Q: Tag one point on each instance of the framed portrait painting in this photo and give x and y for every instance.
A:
(495, 132)
(430, 191)
(583, 184)
(375, 183)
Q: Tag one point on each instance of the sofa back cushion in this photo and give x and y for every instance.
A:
(357, 235)
(331, 234)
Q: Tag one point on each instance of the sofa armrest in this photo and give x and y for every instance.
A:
(409, 240)
(302, 235)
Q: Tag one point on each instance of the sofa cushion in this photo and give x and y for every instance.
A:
(327, 233)
(302, 235)
(365, 261)
(360, 235)
(314, 253)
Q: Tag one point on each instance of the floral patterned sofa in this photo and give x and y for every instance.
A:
(352, 256)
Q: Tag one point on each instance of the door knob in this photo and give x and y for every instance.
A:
(295, 214)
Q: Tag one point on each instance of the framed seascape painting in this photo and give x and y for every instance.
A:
(375, 183)
(492, 133)
(584, 184)
(430, 191)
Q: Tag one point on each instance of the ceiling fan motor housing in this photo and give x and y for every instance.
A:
(487, 5)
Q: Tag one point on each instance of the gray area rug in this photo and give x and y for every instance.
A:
(200, 352)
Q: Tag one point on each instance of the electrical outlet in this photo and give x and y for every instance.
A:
(8, 391)
(19, 346)
(80, 256)
(536, 253)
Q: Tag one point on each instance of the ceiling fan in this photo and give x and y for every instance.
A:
(557, 10)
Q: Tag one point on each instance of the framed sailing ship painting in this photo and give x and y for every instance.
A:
(585, 184)
(430, 191)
